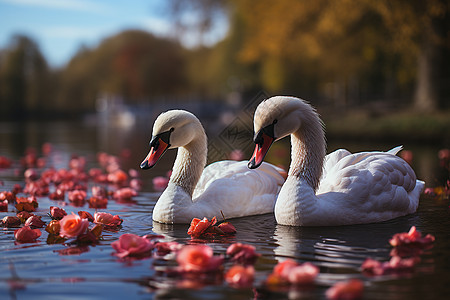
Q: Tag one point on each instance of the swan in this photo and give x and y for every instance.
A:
(227, 187)
(339, 189)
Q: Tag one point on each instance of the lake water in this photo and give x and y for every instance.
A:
(47, 271)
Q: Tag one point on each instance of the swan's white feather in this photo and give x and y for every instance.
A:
(227, 187)
(354, 188)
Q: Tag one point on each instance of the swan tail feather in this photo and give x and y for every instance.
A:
(396, 150)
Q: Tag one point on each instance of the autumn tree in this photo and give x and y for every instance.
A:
(24, 79)
(133, 65)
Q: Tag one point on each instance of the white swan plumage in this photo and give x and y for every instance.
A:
(227, 187)
(338, 189)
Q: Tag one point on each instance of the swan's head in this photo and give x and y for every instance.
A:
(172, 129)
(274, 119)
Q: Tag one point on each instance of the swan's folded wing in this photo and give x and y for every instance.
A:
(231, 187)
(376, 181)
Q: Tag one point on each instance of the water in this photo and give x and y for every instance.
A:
(47, 271)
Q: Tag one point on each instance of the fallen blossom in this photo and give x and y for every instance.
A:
(11, 221)
(242, 253)
(4, 205)
(413, 238)
(53, 227)
(26, 203)
(198, 258)
(57, 213)
(164, 248)
(396, 265)
(24, 215)
(98, 202)
(205, 228)
(347, 290)
(118, 177)
(132, 245)
(31, 174)
(107, 219)
(240, 277)
(98, 191)
(58, 194)
(8, 196)
(291, 272)
(305, 273)
(86, 215)
(198, 227)
(72, 226)
(124, 194)
(77, 195)
(26, 234)
(35, 222)
(91, 235)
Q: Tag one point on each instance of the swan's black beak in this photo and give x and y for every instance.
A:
(263, 140)
(158, 146)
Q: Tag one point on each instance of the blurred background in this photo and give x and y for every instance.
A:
(377, 71)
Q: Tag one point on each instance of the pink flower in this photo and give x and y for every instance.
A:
(118, 177)
(4, 205)
(86, 215)
(98, 202)
(10, 221)
(198, 226)
(160, 183)
(164, 248)
(72, 226)
(8, 196)
(98, 191)
(227, 228)
(77, 195)
(347, 290)
(240, 277)
(124, 194)
(303, 274)
(411, 239)
(396, 265)
(107, 219)
(198, 258)
(26, 234)
(132, 245)
(57, 213)
(283, 268)
(35, 222)
(243, 254)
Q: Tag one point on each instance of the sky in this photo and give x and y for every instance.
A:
(61, 27)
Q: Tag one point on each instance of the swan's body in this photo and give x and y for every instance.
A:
(339, 189)
(194, 192)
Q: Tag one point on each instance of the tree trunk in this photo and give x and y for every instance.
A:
(426, 96)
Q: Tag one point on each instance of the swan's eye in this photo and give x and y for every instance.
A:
(172, 129)
(275, 121)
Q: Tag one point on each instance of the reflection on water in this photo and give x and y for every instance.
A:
(46, 271)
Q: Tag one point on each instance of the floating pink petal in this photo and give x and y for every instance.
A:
(132, 245)
(347, 290)
(242, 253)
(240, 277)
(198, 258)
(26, 234)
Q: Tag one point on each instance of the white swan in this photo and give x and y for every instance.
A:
(195, 192)
(355, 188)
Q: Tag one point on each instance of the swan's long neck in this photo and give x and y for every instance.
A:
(190, 162)
(308, 149)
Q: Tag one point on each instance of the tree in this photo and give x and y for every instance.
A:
(24, 79)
